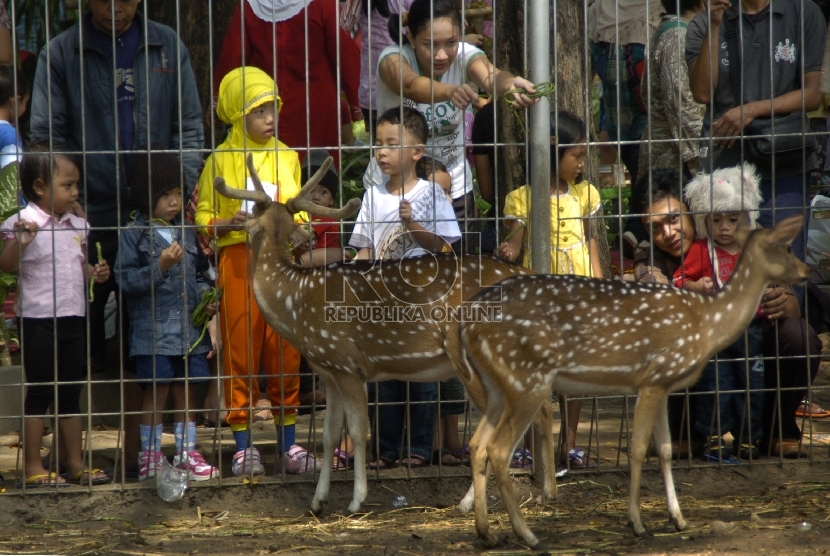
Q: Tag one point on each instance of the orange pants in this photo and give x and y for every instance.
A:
(250, 346)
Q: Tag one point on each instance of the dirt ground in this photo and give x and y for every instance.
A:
(742, 510)
(769, 507)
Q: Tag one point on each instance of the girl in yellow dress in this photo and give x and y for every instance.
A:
(572, 249)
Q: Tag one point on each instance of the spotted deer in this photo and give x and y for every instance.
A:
(584, 336)
(363, 321)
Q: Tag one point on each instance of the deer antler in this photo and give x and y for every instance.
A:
(301, 203)
(259, 196)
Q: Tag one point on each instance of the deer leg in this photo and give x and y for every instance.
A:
(355, 402)
(662, 441)
(479, 468)
(332, 427)
(514, 422)
(543, 420)
(645, 412)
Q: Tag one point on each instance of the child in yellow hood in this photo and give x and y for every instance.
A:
(249, 102)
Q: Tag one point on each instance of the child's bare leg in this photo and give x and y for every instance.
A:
(182, 402)
(574, 407)
(33, 438)
(70, 429)
(155, 397)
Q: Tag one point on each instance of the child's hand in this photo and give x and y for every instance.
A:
(101, 272)
(211, 309)
(506, 252)
(27, 231)
(405, 211)
(170, 256)
(703, 285)
(239, 218)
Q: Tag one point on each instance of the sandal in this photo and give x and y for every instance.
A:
(445, 457)
(342, 460)
(86, 476)
(382, 463)
(44, 480)
(414, 461)
(463, 454)
(815, 412)
(579, 460)
(521, 459)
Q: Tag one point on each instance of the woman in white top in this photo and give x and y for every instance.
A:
(435, 73)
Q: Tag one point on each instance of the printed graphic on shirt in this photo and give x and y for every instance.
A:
(126, 84)
(785, 52)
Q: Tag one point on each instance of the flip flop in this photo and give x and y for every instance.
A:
(99, 477)
(342, 460)
(382, 463)
(579, 460)
(438, 457)
(413, 461)
(521, 459)
(43, 480)
(816, 411)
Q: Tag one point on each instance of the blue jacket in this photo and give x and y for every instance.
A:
(88, 122)
(171, 297)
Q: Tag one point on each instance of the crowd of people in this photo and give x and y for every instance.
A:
(109, 171)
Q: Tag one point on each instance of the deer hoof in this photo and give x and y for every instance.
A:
(358, 510)
(540, 548)
(492, 541)
(318, 511)
(679, 523)
(640, 531)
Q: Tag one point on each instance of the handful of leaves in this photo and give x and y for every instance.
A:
(92, 280)
(200, 317)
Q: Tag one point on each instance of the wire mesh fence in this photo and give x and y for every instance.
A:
(136, 329)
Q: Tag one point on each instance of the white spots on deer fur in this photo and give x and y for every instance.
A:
(569, 307)
(716, 317)
(321, 280)
(278, 294)
(289, 303)
(680, 342)
(324, 333)
(729, 307)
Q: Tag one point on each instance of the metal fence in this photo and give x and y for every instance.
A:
(116, 87)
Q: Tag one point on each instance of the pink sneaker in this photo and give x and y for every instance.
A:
(300, 461)
(198, 469)
(246, 462)
(149, 463)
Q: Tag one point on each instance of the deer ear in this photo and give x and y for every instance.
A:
(787, 230)
(299, 236)
(252, 226)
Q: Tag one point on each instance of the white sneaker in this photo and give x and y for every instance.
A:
(198, 469)
(149, 463)
(246, 462)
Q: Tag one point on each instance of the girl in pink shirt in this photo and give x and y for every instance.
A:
(45, 243)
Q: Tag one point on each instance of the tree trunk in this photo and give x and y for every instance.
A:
(198, 23)
(570, 73)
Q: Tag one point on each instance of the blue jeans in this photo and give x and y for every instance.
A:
(392, 418)
(725, 375)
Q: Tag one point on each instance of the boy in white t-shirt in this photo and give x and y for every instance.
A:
(406, 216)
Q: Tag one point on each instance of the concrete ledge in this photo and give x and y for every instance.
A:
(11, 398)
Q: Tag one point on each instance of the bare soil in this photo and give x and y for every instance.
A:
(742, 510)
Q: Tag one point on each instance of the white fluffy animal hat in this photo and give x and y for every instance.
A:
(732, 189)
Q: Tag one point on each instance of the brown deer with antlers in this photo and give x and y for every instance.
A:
(584, 336)
(359, 322)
